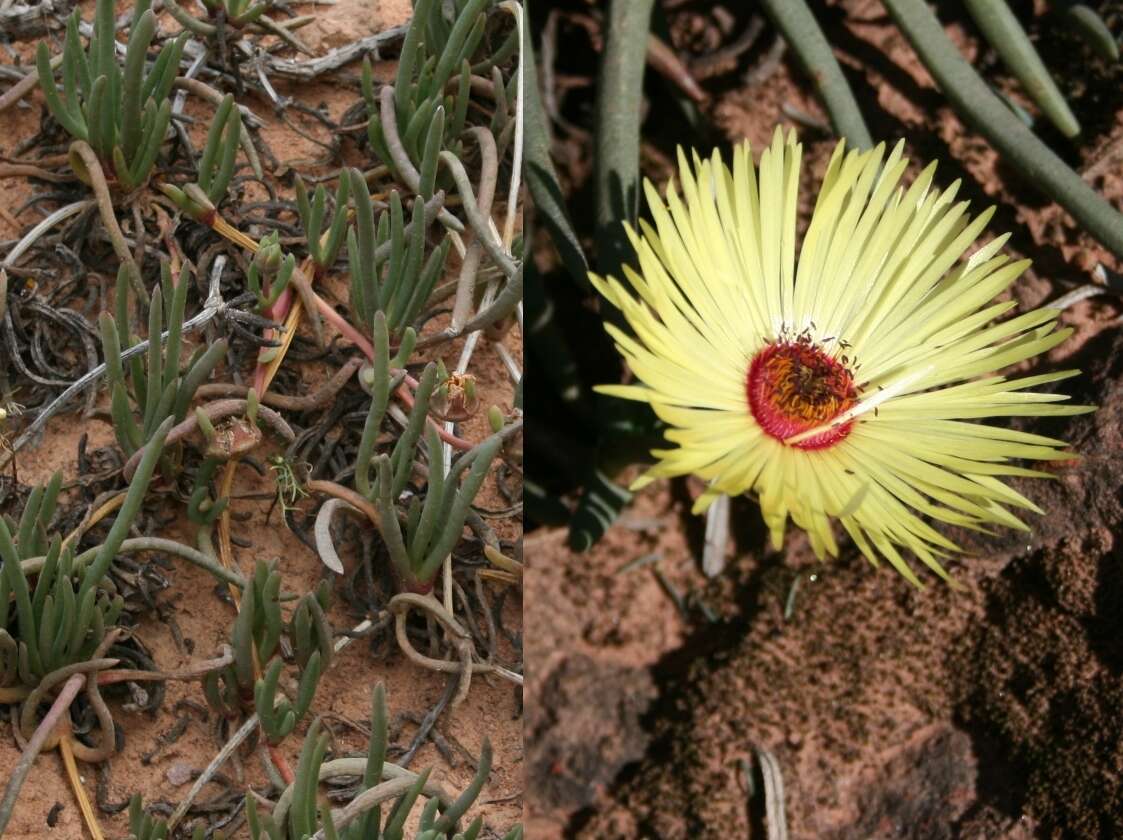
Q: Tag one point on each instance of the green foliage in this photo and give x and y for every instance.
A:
(304, 816)
(433, 527)
(255, 639)
(389, 271)
(436, 46)
(796, 21)
(1018, 146)
(380, 387)
(312, 218)
(1090, 26)
(52, 627)
(119, 109)
(257, 632)
(308, 630)
(236, 13)
(156, 388)
(273, 266)
(61, 616)
(216, 165)
(201, 509)
(1003, 31)
(143, 827)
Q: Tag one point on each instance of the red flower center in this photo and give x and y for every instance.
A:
(793, 387)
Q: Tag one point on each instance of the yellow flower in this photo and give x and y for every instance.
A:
(839, 385)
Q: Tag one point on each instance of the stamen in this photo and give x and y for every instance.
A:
(794, 387)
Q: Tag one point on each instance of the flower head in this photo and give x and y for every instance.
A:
(839, 385)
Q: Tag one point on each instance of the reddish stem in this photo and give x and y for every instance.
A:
(282, 765)
(418, 587)
(278, 312)
(403, 392)
(19, 774)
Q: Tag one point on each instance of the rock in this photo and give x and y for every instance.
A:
(179, 773)
(585, 730)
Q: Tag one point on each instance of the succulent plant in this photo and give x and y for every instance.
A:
(441, 44)
(269, 271)
(199, 199)
(120, 110)
(144, 827)
(62, 617)
(257, 633)
(299, 814)
(237, 14)
(157, 387)
(433, 527)
(323, 244)
(389, 270)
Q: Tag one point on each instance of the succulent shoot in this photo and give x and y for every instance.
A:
(155, 387)
(270, 271)
(433, 527)
(216, 167)
(63, 617)
(301, 813)
(238, 14)
(323, 245)
(431, 110)
(119, 109)
(255, 640)
(389, 270)
(142, 826)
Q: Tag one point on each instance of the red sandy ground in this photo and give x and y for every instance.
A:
(492, 709)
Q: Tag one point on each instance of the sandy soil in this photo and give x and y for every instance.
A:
(201, 618)
(893, 713)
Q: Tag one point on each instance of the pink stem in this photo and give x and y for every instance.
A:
(65, 697)
(278, 312)
(356, 337)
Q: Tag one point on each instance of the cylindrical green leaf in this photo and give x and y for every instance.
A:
(1006, 35)
(1093, 30)
(802, 32)
(454, 511)
(380, 398)
(133, 498)
(135, 55)
(430, 155)
(195, 377)
(411, 49)
(390, 528)
(407, 443)
(434, 496)
(50, 92)
(400, 290)
(338, 224)
(1018, 145)
(151, 140)
(463, 802)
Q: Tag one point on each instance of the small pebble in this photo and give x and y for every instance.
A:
(179, 773)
